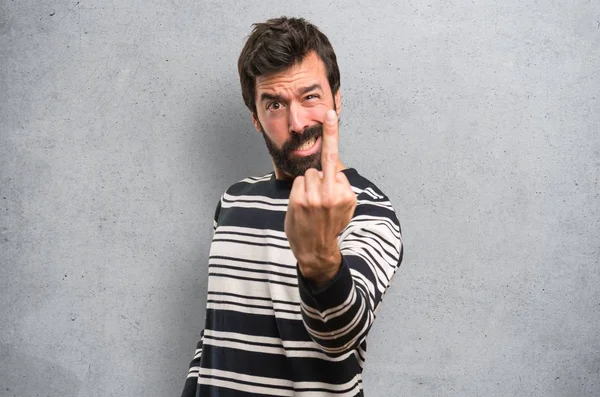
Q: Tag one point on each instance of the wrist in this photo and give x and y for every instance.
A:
(324, 271)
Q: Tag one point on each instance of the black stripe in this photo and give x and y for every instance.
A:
(252, 218)
(253, 279)
(252, 201)
(280, 345)
(247, 297)
(377, 239)
(250, 261)
(256, 324)
(251, 235)
(296, 369)
(365, 243)
(278, 387)
(244, 382)
(394, 232)
(357, 251)
(250, 243)
(258, 220)
(254, 306)
(213, 265)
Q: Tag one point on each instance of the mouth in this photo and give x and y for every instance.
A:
(308, 148)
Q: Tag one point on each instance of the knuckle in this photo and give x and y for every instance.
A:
(350, 196)
(328, 202)
(313, 202)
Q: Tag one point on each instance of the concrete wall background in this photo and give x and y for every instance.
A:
(121, 123)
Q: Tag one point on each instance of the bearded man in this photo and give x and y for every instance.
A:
(301, 256)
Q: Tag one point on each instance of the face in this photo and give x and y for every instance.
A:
(290, 110)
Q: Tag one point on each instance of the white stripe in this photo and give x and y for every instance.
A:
(358, 337)
(282, 244)
(370, 222)
(256, 179)
(248, 273)
(291, 344)
(244, 342)
(374, 268)
(383, 204)
(330, 314)
(386, 264)
(368, 191)
(255, 206)
(253, 231)
(334, 334)
(294, 307)
(241, 345)
(368, 238)
(263, 384)
(252, 199)
(357, 190)
(373, 193)
(287, 270)
(360, 278)
(356, 381)
(193, 372)
(359, 360)
(284, 257)
(245, 388)
(254, 289)
(252, 310)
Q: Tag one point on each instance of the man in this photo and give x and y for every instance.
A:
(300, 257)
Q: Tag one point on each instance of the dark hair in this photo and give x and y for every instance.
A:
(277, 44)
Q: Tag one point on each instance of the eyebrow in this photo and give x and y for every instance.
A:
(310, 88)
(265, 96)
(270, 97)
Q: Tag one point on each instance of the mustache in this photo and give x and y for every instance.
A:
(297, 140)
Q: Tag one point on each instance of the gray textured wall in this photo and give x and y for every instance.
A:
(122, 123)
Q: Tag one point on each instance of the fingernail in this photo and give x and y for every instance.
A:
(330, 116)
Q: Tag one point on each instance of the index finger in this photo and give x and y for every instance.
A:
(329, 152)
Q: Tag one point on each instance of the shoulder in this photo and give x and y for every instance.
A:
(363, 187)
(246, 189)
(251, 185)
(371, 200)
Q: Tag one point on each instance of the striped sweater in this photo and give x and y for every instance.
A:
(269, 331)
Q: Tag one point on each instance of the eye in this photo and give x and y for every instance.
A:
(311, 96)
(274, 106)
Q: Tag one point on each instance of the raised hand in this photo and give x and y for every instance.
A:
(321, 205)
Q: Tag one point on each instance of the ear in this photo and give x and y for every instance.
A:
(255, 121)
(338, 101)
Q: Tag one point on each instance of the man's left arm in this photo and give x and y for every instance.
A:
(339, 313)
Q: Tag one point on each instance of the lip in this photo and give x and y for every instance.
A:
(315, 148)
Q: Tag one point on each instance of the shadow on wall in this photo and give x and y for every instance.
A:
(25, 375)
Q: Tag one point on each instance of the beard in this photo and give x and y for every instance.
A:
(284, 158)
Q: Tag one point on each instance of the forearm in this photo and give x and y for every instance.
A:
(337, 315)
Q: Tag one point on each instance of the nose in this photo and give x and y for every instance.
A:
(298, 119)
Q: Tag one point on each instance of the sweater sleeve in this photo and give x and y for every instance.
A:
(191, 382)
(339, 315)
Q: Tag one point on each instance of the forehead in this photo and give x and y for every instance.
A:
(310, 71)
